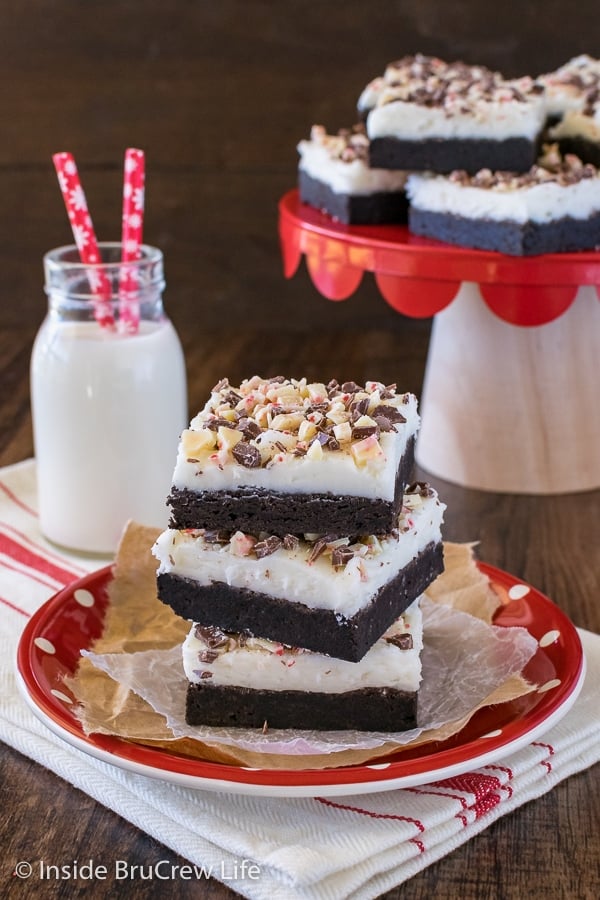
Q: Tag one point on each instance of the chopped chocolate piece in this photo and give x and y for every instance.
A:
(350, 387)
(212, 636)
(247, 455)
(364, 431)
(360, 406)
(249, 428)
(203, 673)
(207, 656)
(216, 537)
(268, 546)
(232, 398)
(420, 487)
(340, 556)
(291, 541)
(217, 422)
(390, 412)
(223, 383)
(317, 548)
(384, 423)
(402, 641)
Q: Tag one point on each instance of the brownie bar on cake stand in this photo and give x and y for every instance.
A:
(509, 401)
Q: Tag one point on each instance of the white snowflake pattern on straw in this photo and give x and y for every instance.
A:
(78, 200)
(131, 238)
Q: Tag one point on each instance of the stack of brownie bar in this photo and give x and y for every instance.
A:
(466, 156)
(299, 552)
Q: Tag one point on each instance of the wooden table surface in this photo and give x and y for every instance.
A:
(218, 95)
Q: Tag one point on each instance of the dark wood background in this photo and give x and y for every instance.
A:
(218, 95)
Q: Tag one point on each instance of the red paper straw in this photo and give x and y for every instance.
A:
(131, 236)
(84, 235)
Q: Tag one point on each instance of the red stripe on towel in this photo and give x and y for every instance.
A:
(15, 608)
(33, 559)
(372, 815)
(12, 496)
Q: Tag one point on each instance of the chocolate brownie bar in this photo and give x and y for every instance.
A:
(430, 115)
(241, 681)
(287, 456)
(334, 176)
(569, 88)
(573, 102)
(553, 208)
(324, 593)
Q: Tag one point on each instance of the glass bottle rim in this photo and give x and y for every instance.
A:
(67, 256)
(67, 276)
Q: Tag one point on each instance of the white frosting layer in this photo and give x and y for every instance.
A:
(292, 575)
(495, 120)
(372, 474)
(370, 94)
(264, 665)
(539, 203)
(353, 177)
(566, 88)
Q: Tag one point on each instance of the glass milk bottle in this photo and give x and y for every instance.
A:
(108, 396)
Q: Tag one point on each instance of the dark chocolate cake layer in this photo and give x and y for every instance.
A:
(367, 709)
(587, 151)
(256, 510)
(444, 155)
(513, 238)
(297, 625)
(383, 208)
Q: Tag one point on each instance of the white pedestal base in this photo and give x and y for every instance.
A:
(513, 409)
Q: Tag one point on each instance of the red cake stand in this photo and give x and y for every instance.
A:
(511, 398)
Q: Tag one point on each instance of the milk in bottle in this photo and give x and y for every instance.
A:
(108, 403)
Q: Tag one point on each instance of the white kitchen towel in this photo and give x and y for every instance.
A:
(347, 847)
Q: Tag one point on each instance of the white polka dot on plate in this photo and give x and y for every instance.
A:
(379, 766)
(492, 734)
(549, 638)
(45, 645)
(518, 590)
(84, 598)
(548, 686)
(61, 696)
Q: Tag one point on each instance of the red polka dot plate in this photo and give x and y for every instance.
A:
(71, 620)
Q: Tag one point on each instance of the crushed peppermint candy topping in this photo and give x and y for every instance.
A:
(214, 646)
(347, 145)
(580, 76)
(264, 422)
(455, 87)
(552, 166)
(398, 635)
(402, 641)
